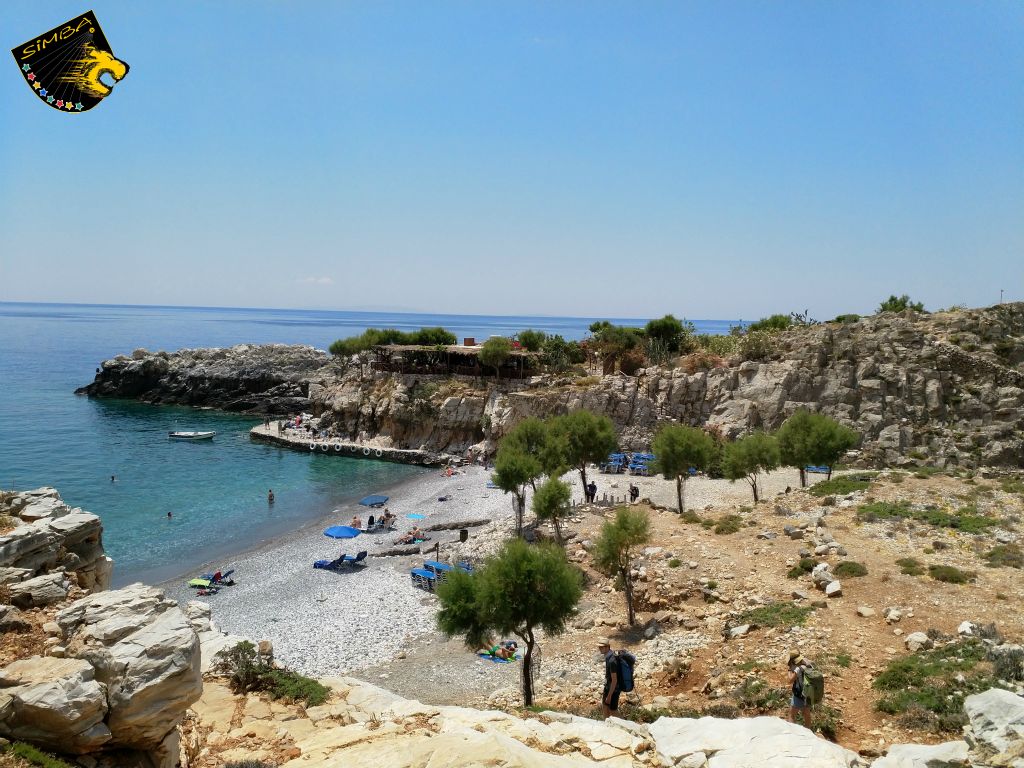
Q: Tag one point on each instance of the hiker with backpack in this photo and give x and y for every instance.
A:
(806, 691)
(618, 675)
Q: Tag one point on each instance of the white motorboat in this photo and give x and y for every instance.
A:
(191, 435)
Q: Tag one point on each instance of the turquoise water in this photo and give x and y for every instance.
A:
(216, 491)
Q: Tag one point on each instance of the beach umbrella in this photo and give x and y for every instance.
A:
(341, 532)
(374, 501)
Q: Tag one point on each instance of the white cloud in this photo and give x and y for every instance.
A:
(316, 280)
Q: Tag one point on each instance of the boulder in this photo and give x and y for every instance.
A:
(996, 732)
(966, 629)
(822, 575)
(916, 641)
(864, 612)
(43, 590)
(740, 631)
(12, 620)
(833, 589)
(55, 703)
(952, 754)
(141, 647)
(767, 742)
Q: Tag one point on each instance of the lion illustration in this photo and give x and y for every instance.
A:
(85, 72)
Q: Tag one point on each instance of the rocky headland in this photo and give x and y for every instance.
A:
(942, 389)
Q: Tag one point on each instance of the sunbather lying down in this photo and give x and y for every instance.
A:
(507, 650)
(412, 536)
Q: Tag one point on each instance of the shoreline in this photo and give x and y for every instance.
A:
(324, 623)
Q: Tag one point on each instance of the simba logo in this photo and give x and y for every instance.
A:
(71, 67)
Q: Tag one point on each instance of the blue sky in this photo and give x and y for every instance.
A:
(714, 159)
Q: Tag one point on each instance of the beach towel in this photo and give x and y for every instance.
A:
(415, 516)
(497, 659)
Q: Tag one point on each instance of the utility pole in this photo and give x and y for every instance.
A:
(1000, 295)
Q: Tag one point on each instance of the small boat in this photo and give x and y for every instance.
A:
(191, 435)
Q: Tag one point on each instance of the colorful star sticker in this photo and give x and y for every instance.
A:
(31, 75)
(37, 85)
(50, 99)
(26, 67)
(42, 92)
(78, 106)
(60, 102)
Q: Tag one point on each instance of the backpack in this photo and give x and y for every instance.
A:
(626, 663)
(809, 686)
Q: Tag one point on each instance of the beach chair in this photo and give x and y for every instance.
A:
(465, 567)
(423, 579)
(220, 579)
(817, 470)
(357, 560)
(441, 570)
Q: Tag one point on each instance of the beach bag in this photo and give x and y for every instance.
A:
(626, 663)
(813, 687)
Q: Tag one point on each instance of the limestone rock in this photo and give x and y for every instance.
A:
(55, 703)
(952, 754)
(145, 653)
(865, 612)
(767, 742)
(834, 589)
(915, 641)
(12, 620)
(996, 732)
(43, 590)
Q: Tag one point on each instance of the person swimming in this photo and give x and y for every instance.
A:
(270, 496)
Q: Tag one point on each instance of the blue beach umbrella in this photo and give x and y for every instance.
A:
(341, 532)
(374, 501)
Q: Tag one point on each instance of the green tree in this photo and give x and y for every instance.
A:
(582, 437)
(678, 448)
(520, 590)
(514, 469)
(495, 351)
(771, 323)
(612, 342)
(749, 456)
(899, 304)
(667, 330)
(532, 340)
(551, 502)
(807, 438)
(614, 548)
(559, 354)
(533, 437)
(375, 337)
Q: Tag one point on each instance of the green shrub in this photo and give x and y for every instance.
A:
(775, 615)
(728, 524)
(826, 720)
(675, 562)
(849, 318)
(950, 574)
(35, 756)
(806, 565)
(755, 693)
(1012, 485)
(291, 686)
(899, 304)
(910, 566)
(1009, 664)
(247, 673)
(848, 569)
(966, 519)
(924, 688)
(843, 484)
(1005, 556)
(772, 323)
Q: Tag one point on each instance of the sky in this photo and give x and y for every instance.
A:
(710, 159)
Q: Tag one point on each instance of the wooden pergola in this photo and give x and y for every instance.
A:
(446, 360)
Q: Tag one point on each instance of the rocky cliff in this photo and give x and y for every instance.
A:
(272, 378)
(105, 675)
(944, 389)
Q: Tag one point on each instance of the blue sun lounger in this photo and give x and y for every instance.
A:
(341, 562)
(817, 470)
(423, 579)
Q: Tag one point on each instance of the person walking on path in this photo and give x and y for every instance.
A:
(612, 678)
(592, 491)
(797, 666)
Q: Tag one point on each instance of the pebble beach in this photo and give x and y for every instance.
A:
(328, 623)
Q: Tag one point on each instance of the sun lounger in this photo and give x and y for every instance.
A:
(817, 470)
(441, 570)
(221, 579)
(423, 579)
(342, 562)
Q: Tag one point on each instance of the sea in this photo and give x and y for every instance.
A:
(113, 457)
